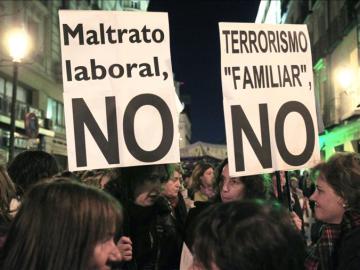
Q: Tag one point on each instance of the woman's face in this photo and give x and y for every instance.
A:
(328, 205)
(231, 188)
(172, 186)
(207, 177)
(104, 252)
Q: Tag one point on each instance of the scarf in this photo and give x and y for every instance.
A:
(321, 256)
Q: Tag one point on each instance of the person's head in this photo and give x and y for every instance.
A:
(203, 175)
(30, 167)
(237, 188)
(172, 186)
(338, 187)
(142, 184)
(294, 183)
(247, 235)
(63, 225)
(7, 192)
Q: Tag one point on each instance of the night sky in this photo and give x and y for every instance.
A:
(195, 52)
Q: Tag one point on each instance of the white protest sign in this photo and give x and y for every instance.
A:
(269, 100)
(119, 96)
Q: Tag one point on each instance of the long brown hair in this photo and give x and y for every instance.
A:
(199, 171)
(7, 192)
(58, 225)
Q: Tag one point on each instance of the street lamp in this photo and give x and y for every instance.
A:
(18, 45)
(345, 77)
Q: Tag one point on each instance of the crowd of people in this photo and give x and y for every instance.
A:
(155, 217)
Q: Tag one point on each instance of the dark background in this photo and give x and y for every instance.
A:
(195, 53)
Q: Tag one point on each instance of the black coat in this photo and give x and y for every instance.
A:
(348, 253)
(156, 233)
(192, 220)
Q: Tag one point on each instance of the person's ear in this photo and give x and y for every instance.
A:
(342, 202)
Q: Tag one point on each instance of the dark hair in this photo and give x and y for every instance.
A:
(342, 173)
(58, 225)
(29, 167)
(7, 193)
(198, 171)
(133, 178)
(254, 184)
(248, 235)
(218, 171)
(67, 174)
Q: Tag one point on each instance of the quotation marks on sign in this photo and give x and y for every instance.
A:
(266, 76)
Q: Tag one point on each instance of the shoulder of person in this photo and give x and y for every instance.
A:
(162, 206)
(199, 208)
(349, 250)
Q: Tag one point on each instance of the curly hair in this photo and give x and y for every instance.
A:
(342, 173)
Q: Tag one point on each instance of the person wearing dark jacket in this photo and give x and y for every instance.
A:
(174, 222)
(337, 204)
(148, 220)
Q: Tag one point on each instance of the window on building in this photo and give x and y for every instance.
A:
(55, 112)
(36, 32)
(23, 98)
(22, 94)
(135, 4)
(36, 18)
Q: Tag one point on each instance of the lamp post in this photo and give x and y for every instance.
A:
(18, 47)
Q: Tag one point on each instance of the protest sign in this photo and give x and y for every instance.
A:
(119, 96)
(269, 100)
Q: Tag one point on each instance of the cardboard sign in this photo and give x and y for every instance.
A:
(119, 96)
(269, 100)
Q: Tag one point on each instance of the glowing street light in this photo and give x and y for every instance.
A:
(345, 77)
(18, 46)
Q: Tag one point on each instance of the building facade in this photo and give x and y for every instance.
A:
(334, 28)
(39, 84)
